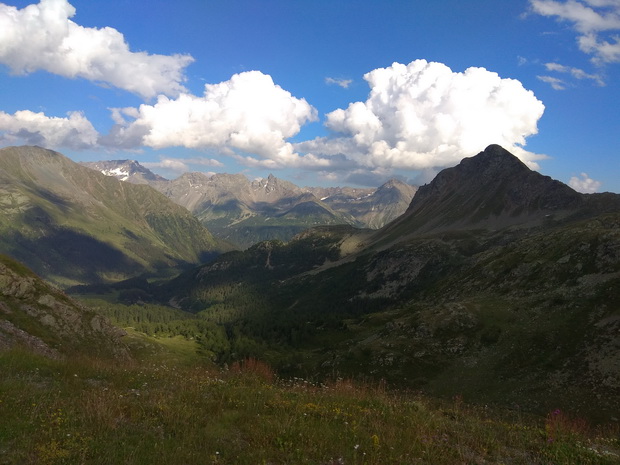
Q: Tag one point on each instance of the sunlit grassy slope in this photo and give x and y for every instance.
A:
(158, 411)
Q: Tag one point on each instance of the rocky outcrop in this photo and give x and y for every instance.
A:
(40, 318)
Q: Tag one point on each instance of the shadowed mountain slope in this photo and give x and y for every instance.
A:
(74, 225)
(37, 317)
(492, 191)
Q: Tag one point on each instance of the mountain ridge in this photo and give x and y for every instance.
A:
(70, 223)
(493, 190)
(125, 170)
(496, 276)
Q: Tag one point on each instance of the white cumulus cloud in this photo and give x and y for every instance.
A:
(597, 23)
(583, 183)
(423, 115)
(25, 126)
(174, 167)
(248, 113)
(42, 37)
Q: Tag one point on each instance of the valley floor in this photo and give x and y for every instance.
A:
(162, 411)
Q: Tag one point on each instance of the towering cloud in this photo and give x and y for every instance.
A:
(248, 113)
(423, 115)
(42, 37)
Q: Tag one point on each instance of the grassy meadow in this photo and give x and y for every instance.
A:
(164, 408)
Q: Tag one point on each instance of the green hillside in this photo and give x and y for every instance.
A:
(73, 225)
(157, 412)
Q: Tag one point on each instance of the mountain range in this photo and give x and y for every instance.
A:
(245, 212)
(73, 225)
(497, 284)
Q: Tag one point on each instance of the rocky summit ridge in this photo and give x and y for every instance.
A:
(125, 170)
(491, 191)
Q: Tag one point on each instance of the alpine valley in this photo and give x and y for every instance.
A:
(494, 287)
(495, 276)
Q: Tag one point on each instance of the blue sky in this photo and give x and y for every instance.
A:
(318, 92)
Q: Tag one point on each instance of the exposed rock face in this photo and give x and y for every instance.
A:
(372, 208)
(11, 336)
(36, 316)
(493, 188)
(496, 183)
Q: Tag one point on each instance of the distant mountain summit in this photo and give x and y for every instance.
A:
(371, 208)
(125, 170)
(496, 183)
(245, 212)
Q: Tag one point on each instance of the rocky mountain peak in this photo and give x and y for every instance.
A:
(396, 185)
(390, 184)
(125, 170)
(493, 189)
(272, 184)
(495, 157)
(494, 165)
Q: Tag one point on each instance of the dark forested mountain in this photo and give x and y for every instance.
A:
(498, 284)
(491, 191)
(246, 212)
(72, 225)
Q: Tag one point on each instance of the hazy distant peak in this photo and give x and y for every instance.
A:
(125, 170)
(274, 184)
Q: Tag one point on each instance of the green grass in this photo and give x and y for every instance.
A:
(154, 411)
